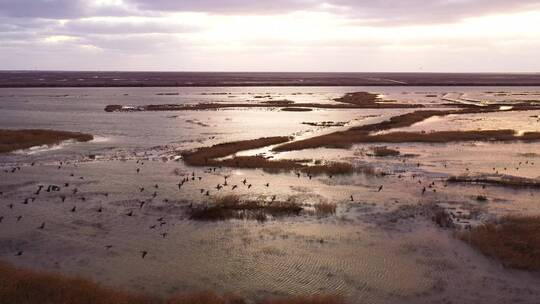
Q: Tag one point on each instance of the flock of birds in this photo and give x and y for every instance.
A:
(69, 188)
(190, 178)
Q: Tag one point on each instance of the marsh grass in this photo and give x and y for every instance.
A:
(32, 287)
(214, 157)
(514, 241)
(232, 207)
(12, 140)
(345, 139)
(296, 109)
(205, 156)
(316, 299)
(325, 208)
(362, 134)
(358, 100)
(384, 151)
(497, 180)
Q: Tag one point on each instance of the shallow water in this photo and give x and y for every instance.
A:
(373, 250)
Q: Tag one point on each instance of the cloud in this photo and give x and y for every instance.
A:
(114, 26)
(263, 35)
(367, 11)
(62, 9)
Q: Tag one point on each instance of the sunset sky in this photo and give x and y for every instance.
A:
(278, 35)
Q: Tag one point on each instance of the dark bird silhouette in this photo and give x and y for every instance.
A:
(74, 209)
(100, 209)
(42, 226)
(63, 198)
(130, 213)
(142, 204)
(10, 206)
(249, 186)
(19, 218)
(234, 187)
(138, 170)
(25, 202)
(267, 185)
(66, 185)
(164, 234)
(141, 189)
(160, 219)
(202, 191)
(207, 193)
(19, 253)
(156, 186)
(108, 247)
(352, 198)
(153, 226)
(144, 253)
(380, 188)
(218, 187)
(39, 189)
(244, 181)
(424, 190)
(1, 219)
(155, 194)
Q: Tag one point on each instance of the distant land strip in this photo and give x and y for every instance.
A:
(38, 79)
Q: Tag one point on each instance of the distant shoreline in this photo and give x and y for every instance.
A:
(85, 79)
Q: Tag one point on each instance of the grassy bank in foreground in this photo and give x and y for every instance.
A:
(12, 140)
(23, 286)
(515, 241)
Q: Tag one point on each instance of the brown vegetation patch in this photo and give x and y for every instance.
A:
(317, 299)
(210, 156)
(360, 134)
(384, 151)
(291, 109)
(347, 138)
(361, 98)
(32, 287)
(325, 124)
(11, 140)
(497, 180)
(325, 208)
(231, 207)
(529, 155)
(216, 106)
(451, 136)
(282, 102)
(23, 286)
(204, 156)
(515, 241)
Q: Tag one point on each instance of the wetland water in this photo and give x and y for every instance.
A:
(378, 247)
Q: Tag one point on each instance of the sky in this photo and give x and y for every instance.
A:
(272, 35)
